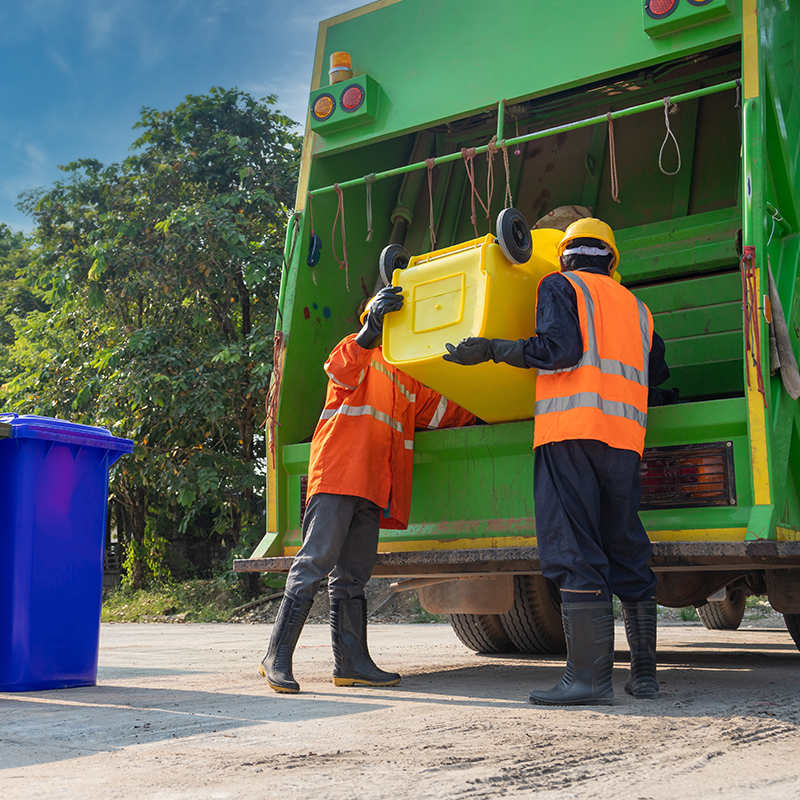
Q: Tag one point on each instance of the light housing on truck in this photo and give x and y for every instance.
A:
(661, 17)
(349, 103)
(688, 476)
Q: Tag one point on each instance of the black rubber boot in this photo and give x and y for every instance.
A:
(276, 666)
(352, 664)
(589, 628)
(640, 628)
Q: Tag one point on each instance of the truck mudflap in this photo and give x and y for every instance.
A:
(667, 557)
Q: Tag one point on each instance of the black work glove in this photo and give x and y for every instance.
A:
(476, 350)
(387, 299)
(657, 396)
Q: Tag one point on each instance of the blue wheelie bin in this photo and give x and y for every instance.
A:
(53, 503)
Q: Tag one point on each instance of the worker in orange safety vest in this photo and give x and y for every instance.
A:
(598, 358)
(359, 480)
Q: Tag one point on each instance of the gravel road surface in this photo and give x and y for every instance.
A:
(181, 713)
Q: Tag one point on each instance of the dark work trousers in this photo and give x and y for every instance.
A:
(592, 543)
(340, 539)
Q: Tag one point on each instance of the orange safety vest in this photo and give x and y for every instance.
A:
(364, 441)
(604, 396)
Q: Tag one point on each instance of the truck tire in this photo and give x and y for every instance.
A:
(793, 625)
(534, 623)
(483, 633)
(724, 615)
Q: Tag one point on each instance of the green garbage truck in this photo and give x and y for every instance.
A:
(675, 121)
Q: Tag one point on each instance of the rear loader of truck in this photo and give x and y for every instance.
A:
(678, 123)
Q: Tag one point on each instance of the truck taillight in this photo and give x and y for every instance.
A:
(658, 9)
(683, 477)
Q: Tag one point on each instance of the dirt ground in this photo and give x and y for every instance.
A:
(180, 712)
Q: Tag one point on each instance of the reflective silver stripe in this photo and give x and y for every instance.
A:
(361, 411)
(591, 356)
(412, 398)
(339, 383)
(409, 444)
(438, 414)
(590, 400)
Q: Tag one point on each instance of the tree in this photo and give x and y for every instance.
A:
(163, 273)
(16, 301)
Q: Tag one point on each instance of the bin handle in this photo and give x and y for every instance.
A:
(7, 414)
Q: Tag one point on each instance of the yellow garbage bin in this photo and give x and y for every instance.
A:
(470, 289)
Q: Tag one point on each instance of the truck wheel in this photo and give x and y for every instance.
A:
(534, 622)
(514, 236)
(793, 625)
(724, 615)
(483, 633)
(393, 257)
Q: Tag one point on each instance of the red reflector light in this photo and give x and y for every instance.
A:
(323, 107)
(658, 9)
(352, 98)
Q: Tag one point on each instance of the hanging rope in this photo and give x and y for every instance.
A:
(469, 155)
(294, 221)
(752, 323)
(666, 138)
(311, 211)
(431, 163)
(273, 396)
(738, 105)
(340, 212)
(490, 153)
(613, 157)
(369, 180)
(507, 200)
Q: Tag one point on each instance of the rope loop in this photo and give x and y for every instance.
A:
(468, 154)
(430, 163)
(669, 133)
(311, 211)
(491, 150)
(507, 199)
(368, 181)
(613, 158)
(340, 211)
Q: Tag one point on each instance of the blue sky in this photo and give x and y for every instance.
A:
(74, 74)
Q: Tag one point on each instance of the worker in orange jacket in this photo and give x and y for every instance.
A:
(598, 357)
(359, 480)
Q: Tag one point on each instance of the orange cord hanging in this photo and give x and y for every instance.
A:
(468, 154)
(340, 211)
(430, 163)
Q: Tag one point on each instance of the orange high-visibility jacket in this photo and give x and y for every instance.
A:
(604, 396)
(364, 441)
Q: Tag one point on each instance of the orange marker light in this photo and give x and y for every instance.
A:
(323, 107)
(341, 70)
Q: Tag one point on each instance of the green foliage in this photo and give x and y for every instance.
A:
(190, 601)
(152, 554)
(155, 282)
(689, 614)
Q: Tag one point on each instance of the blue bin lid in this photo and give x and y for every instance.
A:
(29, 426)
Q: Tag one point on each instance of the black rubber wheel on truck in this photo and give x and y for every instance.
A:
(483, 633)
(793, 625)
(724, 615)
(534, 622)
(393, 256)
(514, 236)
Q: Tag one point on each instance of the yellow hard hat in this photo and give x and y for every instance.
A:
(590, 228)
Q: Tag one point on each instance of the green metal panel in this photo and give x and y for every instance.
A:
(448, 62)
(439, 60)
